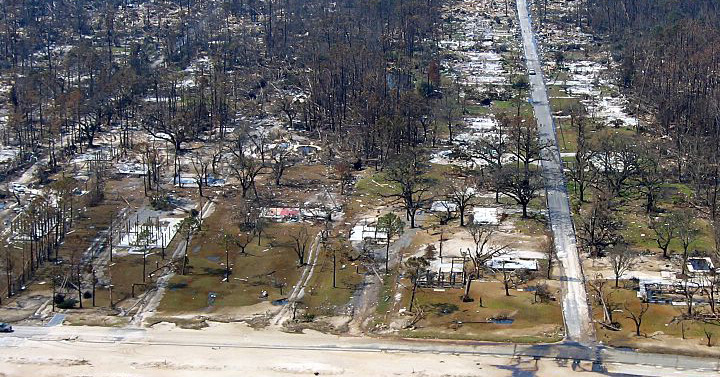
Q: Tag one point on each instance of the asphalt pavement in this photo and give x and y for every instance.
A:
(578, 325)
(601, 358)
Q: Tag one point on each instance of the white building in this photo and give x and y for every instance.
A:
(488, 216)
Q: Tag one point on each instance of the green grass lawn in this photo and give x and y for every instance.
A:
(477, 110)
(531, 226)
(509, 107)
(373, 184)
(566, 135)
(636, 230)
(562, 103)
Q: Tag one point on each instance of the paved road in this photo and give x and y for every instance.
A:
(58, 342)
(578, 326)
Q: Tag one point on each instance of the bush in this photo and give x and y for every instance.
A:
(160, 203)
(444, 308)
(59, 298)
(87, 295)
(175, 286)
(307, 317)
(542, 293)
(68, 303)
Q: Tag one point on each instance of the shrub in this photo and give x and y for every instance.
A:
(444, 308)
(68, 303)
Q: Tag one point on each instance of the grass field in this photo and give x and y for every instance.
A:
(322, 298)
(658, 325)
(271, 266)
(447, 317)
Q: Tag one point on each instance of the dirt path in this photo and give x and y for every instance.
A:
(150, 300)
(298, 291)
(366, 298)
(364, 303)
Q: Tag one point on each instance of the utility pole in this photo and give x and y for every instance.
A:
(54, 294)
(79, 285)
(162, 244)
(227, 255)
(334, 266)
(110, 238)
(94, 284)
(442, 238)
(110, 285)
(144, 262)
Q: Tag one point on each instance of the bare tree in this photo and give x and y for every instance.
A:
(286, 104)
(597, 228)
(716, 238)
(245, 168)
(622, 258)
(650, 175)
(145, 236)
(281, 157)
(541, 293)
(689, 288)
(392, 225)
(510, 276)
(526, 144)
(666, 229)
(482, 253)
(688, 233)
(412, 187)
(246, 214)
(450, 113)
(494, 148)
(615, 161)
(8, 267)
(98, 168)
(637, 316)
(521, 185)
(243, 240)
(462, 195)
(446, 213)
(187, 228)
(581, 171)
(548, 247)
(605, 299)
(76, 269)
(343, 173)
(261, 141)
(415, 267)
(200, 164)
(300, 243)
(711, 288)
(708, 335)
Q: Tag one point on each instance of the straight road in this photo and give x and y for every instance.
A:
(578, 325)
(98, 345)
